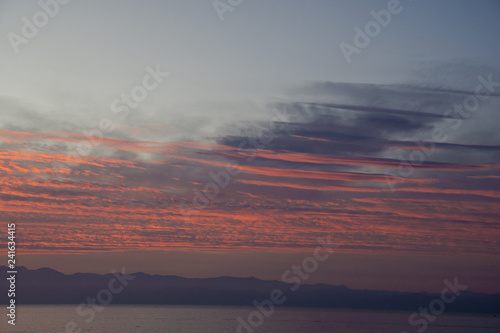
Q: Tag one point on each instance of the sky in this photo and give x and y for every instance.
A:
(200, 138)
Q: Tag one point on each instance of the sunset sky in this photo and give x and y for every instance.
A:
(250, 137)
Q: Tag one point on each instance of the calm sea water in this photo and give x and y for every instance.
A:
(209, 319)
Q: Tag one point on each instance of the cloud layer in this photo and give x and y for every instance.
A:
(357, 161)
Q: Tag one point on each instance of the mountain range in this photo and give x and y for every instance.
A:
(47, 286)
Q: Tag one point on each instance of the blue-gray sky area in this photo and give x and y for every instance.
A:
(238, 132)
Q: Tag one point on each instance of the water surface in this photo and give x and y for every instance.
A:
(223, 319)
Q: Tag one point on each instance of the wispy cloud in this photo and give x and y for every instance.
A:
(326, 171)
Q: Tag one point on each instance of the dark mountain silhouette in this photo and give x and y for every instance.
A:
(47, 286)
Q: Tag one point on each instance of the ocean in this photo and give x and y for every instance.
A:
(225, 319)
